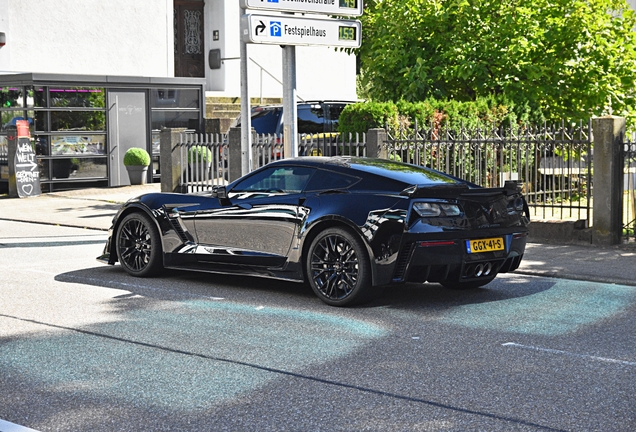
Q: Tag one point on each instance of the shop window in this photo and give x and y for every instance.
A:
(78, 120)
(42, 147)
(156, 142)
(39, 97)
(41, 121)
(175, 98)
(11, 97)
(79, 97)
(77, 145)
(73, 168)
(4, 150)
(90, 168)
(175, 119)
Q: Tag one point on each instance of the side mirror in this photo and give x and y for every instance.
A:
(219, 192)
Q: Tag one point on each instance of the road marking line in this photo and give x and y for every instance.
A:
(6, 426)
(17, 242)
(570, 354)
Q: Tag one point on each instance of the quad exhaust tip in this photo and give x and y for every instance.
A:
(483, 269)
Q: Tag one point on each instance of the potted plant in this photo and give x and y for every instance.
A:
(136, 161)
(200, 160)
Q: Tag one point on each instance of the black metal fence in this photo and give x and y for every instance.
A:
(4, 164)
(629, 191)
(267, 148)
(204, 161)
(552, 163)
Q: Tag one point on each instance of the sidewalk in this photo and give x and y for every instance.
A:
(85, 208)
(95, 208)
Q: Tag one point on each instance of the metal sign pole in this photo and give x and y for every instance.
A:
(288, 30)
(290, 111)
(246, 117)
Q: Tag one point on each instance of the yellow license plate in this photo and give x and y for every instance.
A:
(485, 245)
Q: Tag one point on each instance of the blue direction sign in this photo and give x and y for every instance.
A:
(327, 7)
(298, 30)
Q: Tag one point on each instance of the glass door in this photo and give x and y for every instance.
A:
(128, 126)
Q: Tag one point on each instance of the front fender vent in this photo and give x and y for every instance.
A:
(178, 228)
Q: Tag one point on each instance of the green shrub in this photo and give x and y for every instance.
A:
(199, 154)
(360, 117)
(455, 114)
(484, 111)
(136, 156)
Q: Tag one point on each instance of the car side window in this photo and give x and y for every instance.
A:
(275, 180)
(311, 119)
(329, 180)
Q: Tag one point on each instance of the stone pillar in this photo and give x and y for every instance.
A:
(375, 144)
(170, 160)
(607, 223)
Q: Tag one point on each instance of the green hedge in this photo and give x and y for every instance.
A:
(362, 116)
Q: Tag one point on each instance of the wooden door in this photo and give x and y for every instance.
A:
(189, 57)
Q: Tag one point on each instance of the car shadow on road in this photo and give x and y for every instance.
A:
(178, 285)
(434, 296)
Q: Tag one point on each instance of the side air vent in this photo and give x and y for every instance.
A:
(403, 261)
(179, 230)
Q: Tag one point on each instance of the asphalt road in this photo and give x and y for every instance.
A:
(85, 347)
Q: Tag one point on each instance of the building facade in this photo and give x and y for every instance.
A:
(78, 71)
(160, 38)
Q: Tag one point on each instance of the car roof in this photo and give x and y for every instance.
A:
(308, 102)
(396, 171)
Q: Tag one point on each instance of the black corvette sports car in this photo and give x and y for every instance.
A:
(348, 226)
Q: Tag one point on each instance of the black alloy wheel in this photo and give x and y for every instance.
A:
(338, 268)
(139, 246)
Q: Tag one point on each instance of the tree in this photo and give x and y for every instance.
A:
(567, 58)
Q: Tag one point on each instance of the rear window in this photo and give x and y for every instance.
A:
(311, 119)
(406, 173)
(266, 121)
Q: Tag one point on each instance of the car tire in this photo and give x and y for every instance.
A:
(338, 268)
(138, 246)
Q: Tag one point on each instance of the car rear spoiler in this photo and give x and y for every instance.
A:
(460, 190)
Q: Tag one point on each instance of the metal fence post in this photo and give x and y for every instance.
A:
(609, 133)
(170, 159)
(235, 153)
(375, 144)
